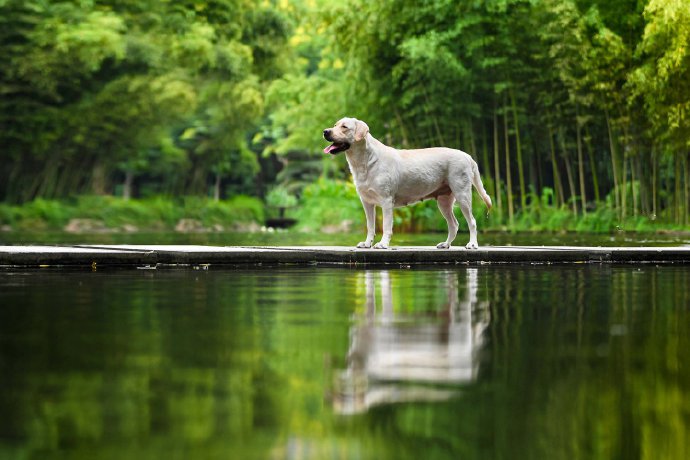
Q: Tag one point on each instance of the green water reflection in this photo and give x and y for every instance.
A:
(292, 238)
(566, 362)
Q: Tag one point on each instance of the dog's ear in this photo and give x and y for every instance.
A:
(361, 130)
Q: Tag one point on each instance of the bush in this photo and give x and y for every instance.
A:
(238, 209)
(8, 214)
(329, 202)
(155, 213)
(41, 214)
(279, 197)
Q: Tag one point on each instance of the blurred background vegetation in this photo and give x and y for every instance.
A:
(147, 113)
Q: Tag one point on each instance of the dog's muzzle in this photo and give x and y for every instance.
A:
(335, 147)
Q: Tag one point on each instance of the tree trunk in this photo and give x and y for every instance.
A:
(509, 180)
(48, 178)
(557, 185)
(470, 133)
(437, 128)
(98, 178)
(571, 183)
(216, 187)
(403, 132)
(593, 165)
(678, 194)
(497, 163)
(485, 153)
(624, 173)
(632, 185)
(616, 185)
(624, 189)
(518, 147)
(580, 162)
(687, 189)
(654, 184)
(127, 185)
(569, 172)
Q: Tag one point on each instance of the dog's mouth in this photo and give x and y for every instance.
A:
(336, 147)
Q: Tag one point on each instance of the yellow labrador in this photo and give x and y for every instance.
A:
(391, 178)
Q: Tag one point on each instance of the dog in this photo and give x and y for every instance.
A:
(392, 178)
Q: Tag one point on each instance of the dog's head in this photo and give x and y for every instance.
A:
(344, 134)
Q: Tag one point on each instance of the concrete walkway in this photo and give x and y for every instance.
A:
(163, 255)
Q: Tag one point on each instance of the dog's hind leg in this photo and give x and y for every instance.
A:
(445, 205)
(466, 208)
(462, 189)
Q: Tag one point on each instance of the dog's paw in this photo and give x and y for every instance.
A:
(364, 244)
(472, 245)
(380, 245)
(443, 245)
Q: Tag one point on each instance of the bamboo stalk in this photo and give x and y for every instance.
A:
(687, 189)
(569, 171)
(403, 131)
(632, 185)
(616, 185)
(485, 152)
(509, 181)
(580, 162)
(518, 148)
(558, 186)
(654, 184)
(679, 189)
(593, 165)
(497, 170)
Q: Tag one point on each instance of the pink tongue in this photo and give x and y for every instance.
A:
(329, 149)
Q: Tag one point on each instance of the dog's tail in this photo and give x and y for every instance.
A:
(477, 181)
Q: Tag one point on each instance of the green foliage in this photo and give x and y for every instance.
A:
(567, 101)
(43, 214)
(116, 212)
(663, 79)
(280, 197)
(570, 92)
(237, 209)
(329, 202)
(90, 89)
(106, 213)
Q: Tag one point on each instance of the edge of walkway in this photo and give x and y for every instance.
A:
(156, 255)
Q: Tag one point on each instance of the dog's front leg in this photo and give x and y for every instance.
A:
(370, 212)
(387, 226)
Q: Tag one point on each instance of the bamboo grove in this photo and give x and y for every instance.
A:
(580, 104)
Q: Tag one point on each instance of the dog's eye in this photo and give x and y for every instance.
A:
(345, 127)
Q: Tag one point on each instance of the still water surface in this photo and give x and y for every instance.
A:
(557, 362)
(291, 238)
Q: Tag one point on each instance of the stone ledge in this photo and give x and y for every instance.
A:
(151, 255)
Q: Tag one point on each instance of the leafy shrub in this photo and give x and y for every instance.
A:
(41, 214)
(8, 214)
(280, 197)
(329, 202)
(156, 212)
(240, 208)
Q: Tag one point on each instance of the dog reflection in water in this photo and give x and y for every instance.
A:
(399, 357)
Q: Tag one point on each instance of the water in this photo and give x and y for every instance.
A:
(288, 238)
(573, 361)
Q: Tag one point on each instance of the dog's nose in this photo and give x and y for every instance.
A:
(326, 132)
